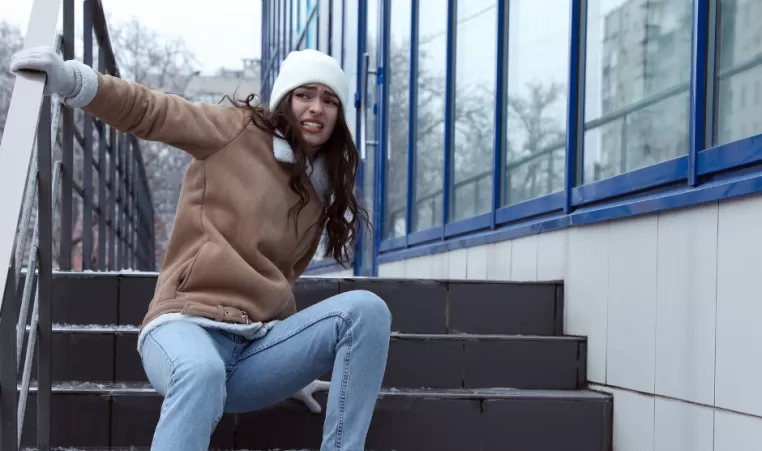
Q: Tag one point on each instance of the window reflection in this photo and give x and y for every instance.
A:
(399, 119)
(371, 144)
(637, 84)
(538, 72)
(431, 83)
(350, 61)
(337, 26)
(474, 108)
(739, 70)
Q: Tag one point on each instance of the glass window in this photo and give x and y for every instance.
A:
(399, 119)
(739, 64)
(474, 108)
(312, 27)
(350, 62)
(371, 144)
(538, 74)
(336, 28)
(295, 21)
(284, 24)
(636, 110)
(432, 65)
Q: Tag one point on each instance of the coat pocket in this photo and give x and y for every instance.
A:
(185, 275)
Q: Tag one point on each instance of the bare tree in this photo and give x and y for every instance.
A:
(166, 65)
(11, 41)
(536, 141)
(530, 119)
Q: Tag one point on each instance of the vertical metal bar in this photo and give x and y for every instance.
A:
(265, 48)
(308, 7)
(138, 255)
(381, 123)
(122, 196)
(575, 109)
(291, 25)
(67, 187)
(343, 29)
(44, 280)
(127, 159)
(134, 203)
(130, 211)
(449, 147)
(713, 50)
(317, 24)
(360, 97)
(331, 24)
(8, 366)
(102, 200)
(87, 134)
(501, 105)
(276, 26)
(299, 16)
(697, 124)
(412, 146)
(112, 198)
(284, 27)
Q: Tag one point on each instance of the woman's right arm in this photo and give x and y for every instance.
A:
(198, 128)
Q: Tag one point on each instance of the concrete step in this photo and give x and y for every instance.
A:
(415, 360)
(417, 306)
(123, 415)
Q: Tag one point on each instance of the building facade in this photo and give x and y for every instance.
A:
(613, 144)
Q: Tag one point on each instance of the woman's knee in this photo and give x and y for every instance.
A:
(365, 305)
(199, 373)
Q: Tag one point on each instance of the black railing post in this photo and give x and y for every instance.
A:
(125, 200)
(113, 145)
(44, 328)
(67, 171)
(133, 205)
(8, 364)
(87, 148)
(102, 201)
(119, 201)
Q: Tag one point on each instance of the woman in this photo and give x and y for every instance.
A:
(222, 332)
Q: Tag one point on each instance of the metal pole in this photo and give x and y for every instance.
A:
(8, 366)
(87, 148)
(64, 253)
(102, 201)
(112, 200)
(44, 340)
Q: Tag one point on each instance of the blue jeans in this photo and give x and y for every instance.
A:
(203, 372)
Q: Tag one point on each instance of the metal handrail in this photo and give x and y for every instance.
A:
(30, 178)
(20, 129)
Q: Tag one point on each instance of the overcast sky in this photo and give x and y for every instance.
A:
(219, 32)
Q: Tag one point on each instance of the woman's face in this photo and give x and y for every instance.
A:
(316, 109)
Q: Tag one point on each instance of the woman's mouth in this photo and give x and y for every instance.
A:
(312, 126)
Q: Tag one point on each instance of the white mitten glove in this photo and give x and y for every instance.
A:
(77, 83)
(305, 395)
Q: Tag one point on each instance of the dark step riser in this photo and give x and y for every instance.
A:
(425, 307)
(413, 363)
(416, 424)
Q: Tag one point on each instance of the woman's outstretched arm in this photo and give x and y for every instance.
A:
(198, 128)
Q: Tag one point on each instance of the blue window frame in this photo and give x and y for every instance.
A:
(607, 112)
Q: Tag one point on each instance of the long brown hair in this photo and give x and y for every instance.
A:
(342, 213)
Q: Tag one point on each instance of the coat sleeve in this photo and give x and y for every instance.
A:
(197, 128)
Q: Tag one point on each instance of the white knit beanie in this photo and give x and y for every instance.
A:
(309, 66)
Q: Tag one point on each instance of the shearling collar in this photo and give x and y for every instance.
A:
(316, 171)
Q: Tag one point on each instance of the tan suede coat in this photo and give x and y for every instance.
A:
(234, 253)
